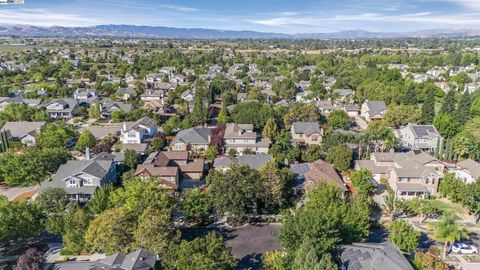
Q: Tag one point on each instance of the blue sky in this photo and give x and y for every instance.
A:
(284, 16)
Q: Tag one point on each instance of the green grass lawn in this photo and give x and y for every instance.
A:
(447, 206)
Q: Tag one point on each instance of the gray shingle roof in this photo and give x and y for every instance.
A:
(367, 256)
(306, 128)
(19, 129)
(376, 108)
(195, 135)
(472, 166)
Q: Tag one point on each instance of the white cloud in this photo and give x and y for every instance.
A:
(470, 4)
(419, 17)
(179, 8)
(43, 17)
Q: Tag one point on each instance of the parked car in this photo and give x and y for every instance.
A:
(462, 248)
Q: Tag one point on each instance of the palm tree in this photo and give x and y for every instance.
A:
(448, 230)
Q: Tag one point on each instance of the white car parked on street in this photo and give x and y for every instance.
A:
(462, 248)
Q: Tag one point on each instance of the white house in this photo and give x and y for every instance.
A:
(468, 171)
(242, 137)
(419, 137)
(62, 108)
(137, 132)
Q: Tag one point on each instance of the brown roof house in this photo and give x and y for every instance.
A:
(311, 173)
(172, 168)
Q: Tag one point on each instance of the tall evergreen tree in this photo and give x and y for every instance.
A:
(449, 103)
(410, 97)
(462, 113)
(428, 108)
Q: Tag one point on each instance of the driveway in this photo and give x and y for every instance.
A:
(16, 193)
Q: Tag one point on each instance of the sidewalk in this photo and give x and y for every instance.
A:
(466, 265)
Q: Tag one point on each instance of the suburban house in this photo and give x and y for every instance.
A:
(351, 109)
(23, 131)
(85, 96)
(467, 170)
(108, 106)
(150, 95)
(172, 167)
(306, 133)
(373, 110)
(137, 132)
(326, 106)
(307, 174)
(62, 108)
(5, 101)
(241, 137)
(127, 92)
(81, 178)
(254, 161)
(419, 137)
(367, 256)
(411, 174)
(192, 139)
(138, 260)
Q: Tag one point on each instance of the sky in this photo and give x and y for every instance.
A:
(280, 16)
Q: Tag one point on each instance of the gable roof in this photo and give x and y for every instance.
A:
(20, 129)
(307, 128)
(367, 256)
(472, 166)
(255, 161)
(195, 135)
(375, 108)
(423, 131)
(314, 172)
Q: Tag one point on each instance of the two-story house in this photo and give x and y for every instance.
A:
(241, 137)
(108, 106)
(85, 96)
(411, 174)
(81, 178)
(137, 132)
(150, 95)
(25, 132)
(373, 110)
(419, 137)
(62, 108)
(127, 92)
(306, 133)
(467, 170)
(192, 139)
(171, 168)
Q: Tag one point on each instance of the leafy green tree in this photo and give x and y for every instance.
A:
(157, 144)
(462, 114)
(313, 153)
(466, 145)
(275, 186)
(211, 153)
(232, 152)
(53, 202)
(154, 229)
(235, 192)
(201, 253)
(471, 198)
(362, 181)
(19, 219)
(111, 231)
(427, 261)
(32, 166)
(446, 125)
(22, 112)
(131, 159)
(75, 225)
(86, 140)
(475, 108)
(284, 88)
(400, 115)
(136, 195)
(403, 235)
(94, 111)
(340, 157)
(282, 149)
(327, 219)
(428, 108)
(338, 120)
(197, 205)
(223, 117)
(56, 136)
(99, 202)
(256, 113)
(448, 230)
(410, 97)
(473, 127)
(271, 129)
(423, 207)
(449, 103)
(451, 187)
(299, 112)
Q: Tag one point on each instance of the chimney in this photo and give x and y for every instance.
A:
(87, 153)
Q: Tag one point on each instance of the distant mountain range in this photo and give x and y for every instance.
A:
(134, 31)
